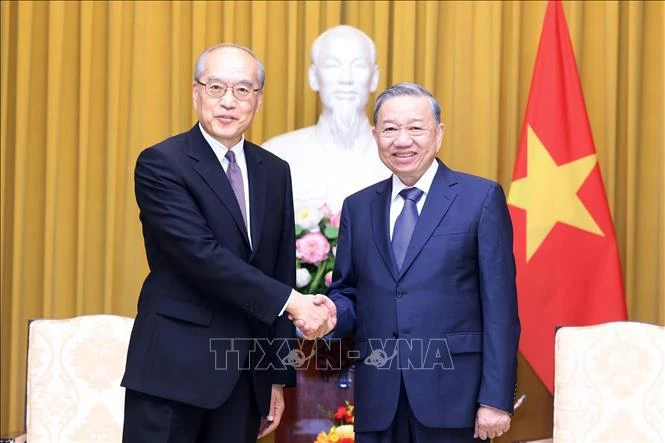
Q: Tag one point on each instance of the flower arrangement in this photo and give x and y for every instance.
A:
(316, 244)
(317, 229)
(342, 430)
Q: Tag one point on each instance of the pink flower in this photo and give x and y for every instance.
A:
(328, 278)
(325, 210)
(334, 219)
(313, 248)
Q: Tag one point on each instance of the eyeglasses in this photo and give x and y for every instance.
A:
(391, 132)
(241, 91)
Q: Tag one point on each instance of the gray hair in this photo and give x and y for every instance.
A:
(342, 30)
(200, 62)
(412, 89)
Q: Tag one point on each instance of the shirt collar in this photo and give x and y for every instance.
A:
(220, 150)
(424, 183)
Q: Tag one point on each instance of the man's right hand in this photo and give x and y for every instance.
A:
(322, 300)
(313, 319)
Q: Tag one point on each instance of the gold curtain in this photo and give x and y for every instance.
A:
(87, 84)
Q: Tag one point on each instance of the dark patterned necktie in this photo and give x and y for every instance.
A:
(234, 174)
(405, 223)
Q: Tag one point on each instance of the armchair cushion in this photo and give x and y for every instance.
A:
(608, 383)
(73, 380)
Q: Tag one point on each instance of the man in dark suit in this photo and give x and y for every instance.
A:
(205, 359)
(425, 277)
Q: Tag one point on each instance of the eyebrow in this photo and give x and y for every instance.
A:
(212, 78)
(353, 60)
(409, 122)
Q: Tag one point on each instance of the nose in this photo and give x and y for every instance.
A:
(227, 99)
(403, 138)
(345, 75)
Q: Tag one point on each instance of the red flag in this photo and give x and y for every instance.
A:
(568, 270)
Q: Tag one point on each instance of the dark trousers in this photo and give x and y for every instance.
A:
(406, 428)
(152, 419)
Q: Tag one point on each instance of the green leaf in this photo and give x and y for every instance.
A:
(317, 281)
(299, 230)
(331, 232)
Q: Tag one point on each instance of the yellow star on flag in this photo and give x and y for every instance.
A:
(548, 194)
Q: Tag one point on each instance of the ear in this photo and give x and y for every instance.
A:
(439, 135)
(194, 93)
(259, 100)
(374, 83)
(313, 80)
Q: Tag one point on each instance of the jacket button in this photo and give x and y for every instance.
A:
(400, 294)
(395, 335)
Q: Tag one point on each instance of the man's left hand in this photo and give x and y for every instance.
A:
(270, 422)
(491, 423)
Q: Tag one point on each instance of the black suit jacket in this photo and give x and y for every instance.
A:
(210, 298)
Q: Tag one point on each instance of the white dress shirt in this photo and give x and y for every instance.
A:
(239, 150)
(397, 202)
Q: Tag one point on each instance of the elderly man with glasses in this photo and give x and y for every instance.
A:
(205, 359)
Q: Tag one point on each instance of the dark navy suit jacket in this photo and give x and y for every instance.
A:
(449, 315)
(206, 284)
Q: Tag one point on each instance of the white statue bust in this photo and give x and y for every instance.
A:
(338, 156)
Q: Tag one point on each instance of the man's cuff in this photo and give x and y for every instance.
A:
(285, 305)
(496, 409)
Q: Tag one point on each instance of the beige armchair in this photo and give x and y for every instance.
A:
(608, 384)
(73, 380)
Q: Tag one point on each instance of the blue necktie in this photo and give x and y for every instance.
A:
(234, 175)
(405, 223)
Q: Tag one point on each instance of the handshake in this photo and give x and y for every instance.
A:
(314, 315)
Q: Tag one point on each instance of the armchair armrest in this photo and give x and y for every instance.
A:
(22, 438)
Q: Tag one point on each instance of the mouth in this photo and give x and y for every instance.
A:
(345, 95)
(404, 157)
(225, 118)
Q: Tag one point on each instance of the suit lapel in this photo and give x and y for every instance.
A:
(441, 195)
(257, 192)
(212, 172)
(380, 211)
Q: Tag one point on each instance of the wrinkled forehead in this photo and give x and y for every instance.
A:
(230, 63)
(405, 109)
